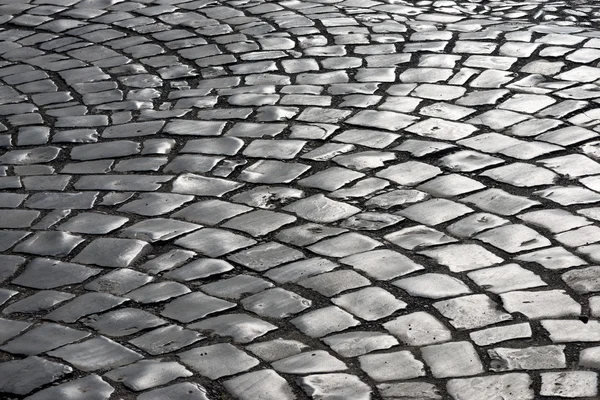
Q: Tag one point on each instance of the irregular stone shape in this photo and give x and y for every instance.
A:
(203, 186)
(36, 155)
(398, 365)
(236, 287)
(152, 204)
(331, 283)
(382, 119)
(158, 292)
(214, 242)
(271, 171)
(119, 282)
(195, 128)
(590, 357)
(452, 359)
(514, 386)
(200, 268)
(309, 362)
(276, 303)
(218, 360)
(330, 179)
(321, 209)
(409, 390)
(49, 244)
(499, 202)
(210, 212)
(178, 391)
(158, 229)
(17, 218)
(93, 223)
(583, 281)
(259, 222)
(535, 304)
(140, 183)
(433, 286)
(370, 304)
(463, 257)
(146, 374)
(417, 237)
(277, 349)
(528, 358)
(123, 322)
(371, 221)
(166, 339)
(354, 344)
(9, 265)
(521, 175)
(409, 173)
(498, 334)
(6, 294)
(91, 387)
(473, 311)
(167, 261)
(264, 384)
(113, 253)
(514, 238)
(564, 331)
(418, 328)
(221, 146)
(114, 149)
(40, 372)
(552, 258)
(136, 128)
(95, 354)
(324, 321)
(265, 256)
(86, 304)
(344, 245)
(73, 201)
(439, 128)
(335, 386)
(468, 160)
(569, 384)
(241, 327)
(193, 306)
(44, 273)
(505, 278)
(38, 302)
(10, 328)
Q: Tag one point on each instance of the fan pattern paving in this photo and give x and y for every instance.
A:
(299, 199)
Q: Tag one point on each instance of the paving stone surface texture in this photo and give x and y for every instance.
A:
(299, 199)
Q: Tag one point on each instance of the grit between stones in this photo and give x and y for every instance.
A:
(299, 199)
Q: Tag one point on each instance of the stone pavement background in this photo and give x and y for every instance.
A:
(326, 199)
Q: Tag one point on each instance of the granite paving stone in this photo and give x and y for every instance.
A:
(146, 374)
(40, 372)
(299, 199)
(189, 390)
(264, 384)
(96, 354)
(231, 360)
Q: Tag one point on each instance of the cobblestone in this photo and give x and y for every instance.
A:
(299, 199)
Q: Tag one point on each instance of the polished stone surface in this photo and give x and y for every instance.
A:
(299, 199)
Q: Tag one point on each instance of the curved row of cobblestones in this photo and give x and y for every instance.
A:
(331, 199)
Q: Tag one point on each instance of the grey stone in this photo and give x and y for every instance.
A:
(43, 338)
(218, 360)
(91, 387)
(96, 354)
(146, 374)
(40, 373)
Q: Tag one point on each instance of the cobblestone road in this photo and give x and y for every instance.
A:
(299, 199)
